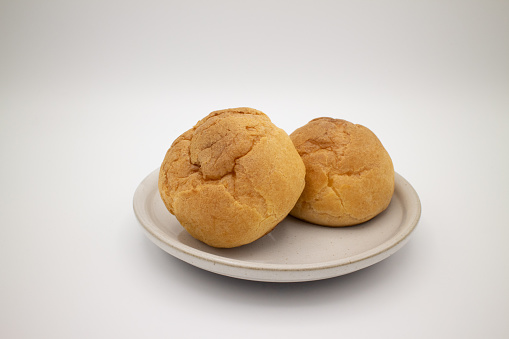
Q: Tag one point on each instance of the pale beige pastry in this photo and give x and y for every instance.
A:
(349, 174)
(231, 178)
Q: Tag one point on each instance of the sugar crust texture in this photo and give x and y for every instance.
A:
(349, 174)
(231, 178)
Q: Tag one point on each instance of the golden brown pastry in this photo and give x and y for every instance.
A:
(231, 178)
(349, 174)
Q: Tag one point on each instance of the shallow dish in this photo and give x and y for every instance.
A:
(295, 250)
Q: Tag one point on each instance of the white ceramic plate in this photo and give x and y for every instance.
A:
(295, 250)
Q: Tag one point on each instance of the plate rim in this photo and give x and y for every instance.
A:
(181, 250)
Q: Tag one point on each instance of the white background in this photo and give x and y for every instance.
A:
(92, 93)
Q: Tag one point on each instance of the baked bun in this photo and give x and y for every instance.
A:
(231, 178)
(349, 174)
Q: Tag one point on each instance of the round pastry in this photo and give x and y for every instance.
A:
(349, 174)
(231, 178)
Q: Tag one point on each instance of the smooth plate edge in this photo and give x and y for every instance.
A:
(277, 272)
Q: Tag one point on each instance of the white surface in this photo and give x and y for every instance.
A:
(92, 93)
(295, 250)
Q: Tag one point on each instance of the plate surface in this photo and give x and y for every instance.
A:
(295, 250)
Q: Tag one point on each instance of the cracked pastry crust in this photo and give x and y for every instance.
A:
(231, 178)
(349, 174)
